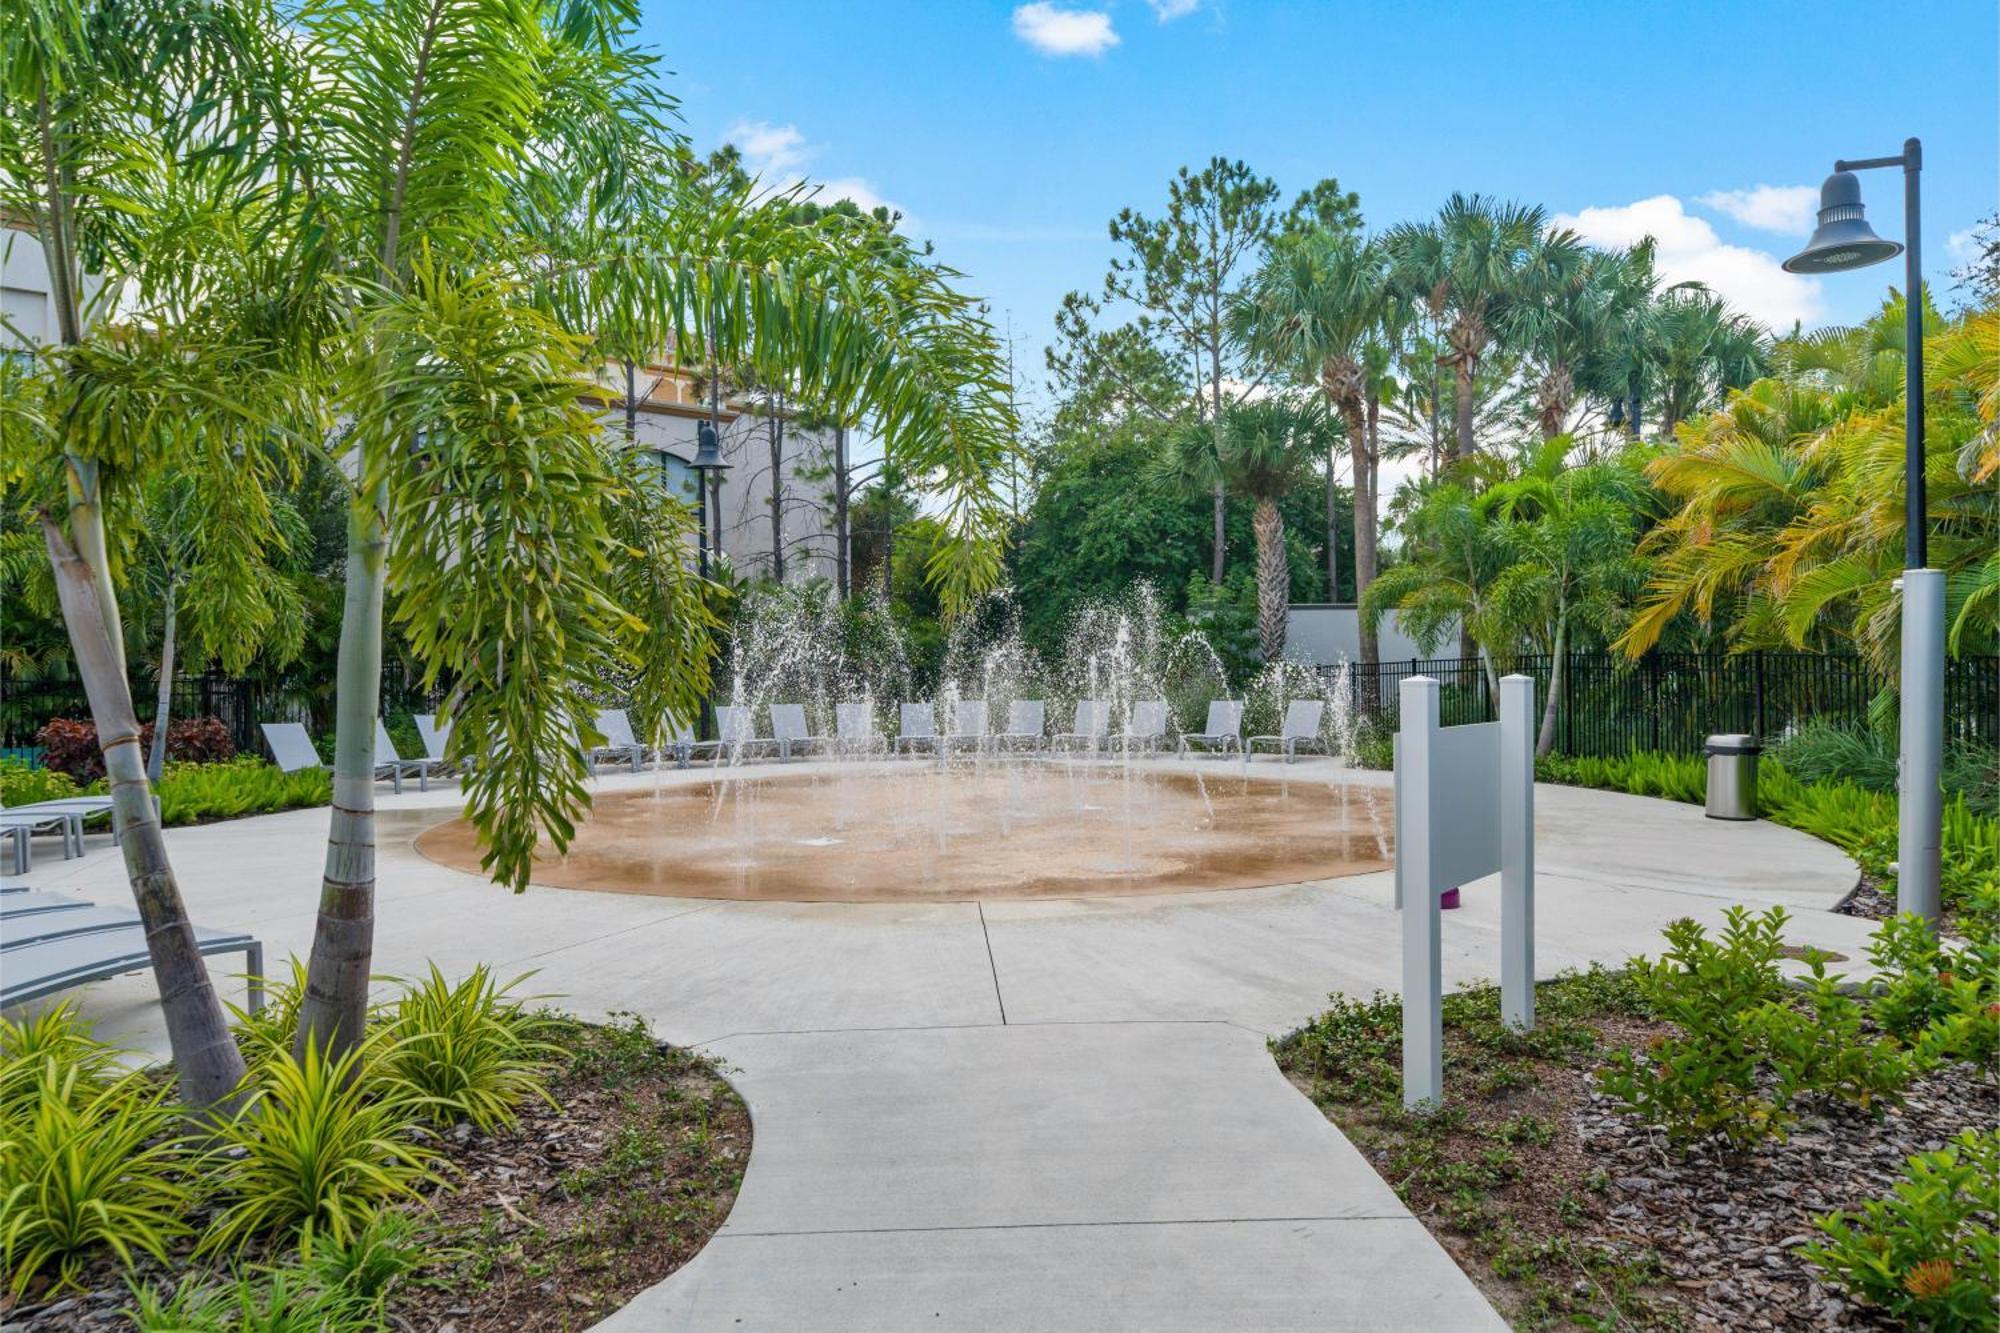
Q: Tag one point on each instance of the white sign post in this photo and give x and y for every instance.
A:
(1465, 808)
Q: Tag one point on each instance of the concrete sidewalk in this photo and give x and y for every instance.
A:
(1044, 1114)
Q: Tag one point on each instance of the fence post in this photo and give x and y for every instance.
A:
(1653, 697)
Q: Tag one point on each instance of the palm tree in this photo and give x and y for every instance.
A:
(1701, 349)
(1316, 311)
(522, 193)
(1454, 555)
(1269, 448)
(142, 207)
(1585, 310)
(1471, 266)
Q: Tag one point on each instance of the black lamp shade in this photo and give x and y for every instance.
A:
(707, 454)
(1843, 239)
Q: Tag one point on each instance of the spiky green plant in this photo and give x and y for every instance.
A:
(87, 1163)
(476, 1052)
(321, 1142)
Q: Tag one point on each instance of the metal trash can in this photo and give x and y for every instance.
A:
(1732, 777)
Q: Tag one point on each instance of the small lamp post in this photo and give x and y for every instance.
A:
(707, 462)
(1843, 241)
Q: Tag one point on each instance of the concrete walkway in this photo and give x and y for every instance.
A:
(1017, 1115)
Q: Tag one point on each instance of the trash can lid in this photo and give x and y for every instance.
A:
(1733, 745)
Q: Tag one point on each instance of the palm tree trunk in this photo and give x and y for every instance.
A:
(1556, 391)
(1463, 445)
(1367, 465)
(840, 543)
(1332, 529)
(206, 1060)
(1546, 741)
(1274, 579)
(163, 699)
(777, 432)
(1217, 559)
(334, 1010)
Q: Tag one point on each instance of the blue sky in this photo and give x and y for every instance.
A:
(1010, 133)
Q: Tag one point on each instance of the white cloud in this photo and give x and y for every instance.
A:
(1790, 209)
(777, 156)
(768, 150)
(1169, 10)
(1690, 251)
(1055, 31)
(1964, 245)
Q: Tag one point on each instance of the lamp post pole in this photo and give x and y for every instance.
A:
(1842, 241)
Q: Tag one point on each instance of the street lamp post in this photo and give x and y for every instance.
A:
(707, 462)
(1843, 241)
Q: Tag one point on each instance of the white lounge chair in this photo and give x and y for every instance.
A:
(619, 742)
(736, 735)
(854, 728)
(50, 942)
(1027, 719)
(19, 860)
(63, 817)
(968, 723)
(789, 730)
(1222, 732)
(386, 757)
(1146, 729)
(1300, 728)
(292, 749)
(918, 727)
(680, 744)
(1088, 728)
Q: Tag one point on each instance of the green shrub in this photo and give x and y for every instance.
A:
(1704, 1080)
(87, 1163)
(1745, 1048)
(1824, 751)
(472, 1050)
(23, 783)
(1821, 1048)
(323, 1143)
(197, 793)
(1355, 1044)
(1944, 999)
(368, 1265)
(271, 1029)
(1374, 746)
(1926, 1253)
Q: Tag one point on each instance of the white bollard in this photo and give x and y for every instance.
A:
(1920, 811)
(1423, 969)
(1517, 852)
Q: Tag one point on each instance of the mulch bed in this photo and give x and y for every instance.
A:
(1566, 1212)
(550, 1224)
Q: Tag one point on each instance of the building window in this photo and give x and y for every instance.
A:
(676, 476)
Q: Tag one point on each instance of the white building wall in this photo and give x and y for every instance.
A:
(1324, 634)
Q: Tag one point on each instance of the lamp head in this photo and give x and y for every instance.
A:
(1843, 240)
(708, 453)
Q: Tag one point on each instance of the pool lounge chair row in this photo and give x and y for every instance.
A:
(50, 942)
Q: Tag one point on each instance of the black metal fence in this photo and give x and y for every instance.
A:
(25, 704)
(1673, 701)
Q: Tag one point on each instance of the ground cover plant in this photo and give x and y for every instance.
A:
(1694, 1142)
(478, 1161)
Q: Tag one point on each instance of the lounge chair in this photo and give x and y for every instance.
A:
(1088, 728)
(398, 767)
(1222, 732)
(968, 723)
(1300, 727)
(735, 735)
(49, 943)
(1026, 721)
(789, 730)
(293, 750)
(619, 742)
(24, 821)
(1146, 729)
(19, 860)
(854, 728)
(918, 728)
(680, 743)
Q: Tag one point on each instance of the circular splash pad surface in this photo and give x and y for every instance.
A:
(910, 832)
